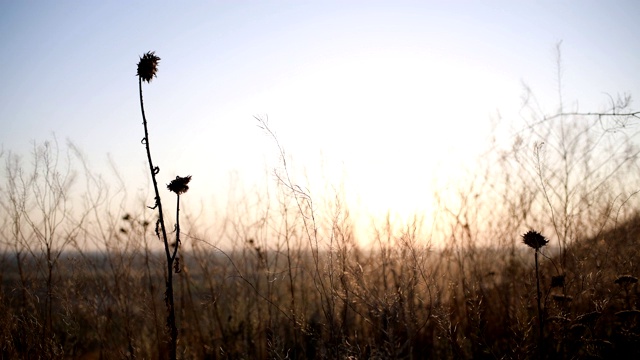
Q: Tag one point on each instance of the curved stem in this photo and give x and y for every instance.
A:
(171, 316)
(153, 172)
(175, 249)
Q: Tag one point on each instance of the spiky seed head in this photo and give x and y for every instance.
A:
(179, 185)
(534, 239)
(148, 66)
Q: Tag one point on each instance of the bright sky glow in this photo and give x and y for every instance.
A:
(392, 98)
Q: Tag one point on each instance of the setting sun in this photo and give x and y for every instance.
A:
(319, 180)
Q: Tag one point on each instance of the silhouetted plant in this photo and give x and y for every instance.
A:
(179, 186)
(536, 241)
(147, 70)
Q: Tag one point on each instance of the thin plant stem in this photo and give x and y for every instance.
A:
(171, 317)
(540, 318)
(175, 249)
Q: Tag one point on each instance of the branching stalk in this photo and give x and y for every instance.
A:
(146, 71)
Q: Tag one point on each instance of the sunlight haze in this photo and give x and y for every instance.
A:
(392, 101)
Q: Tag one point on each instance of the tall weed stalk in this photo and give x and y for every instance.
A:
(147, 70)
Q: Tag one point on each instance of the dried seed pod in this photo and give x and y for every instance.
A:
(534, 239)
(179, 185)
(148, 66)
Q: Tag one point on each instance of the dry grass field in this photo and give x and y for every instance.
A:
(398, 300)
(85, 276)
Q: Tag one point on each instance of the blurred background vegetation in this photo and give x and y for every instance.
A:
(289, 274)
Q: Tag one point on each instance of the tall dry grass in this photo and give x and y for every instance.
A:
(286, 274)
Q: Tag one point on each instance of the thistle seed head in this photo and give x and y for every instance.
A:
(148, 66)
(179, 185)
(534, 239)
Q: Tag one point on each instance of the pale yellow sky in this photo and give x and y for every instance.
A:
(394, 100)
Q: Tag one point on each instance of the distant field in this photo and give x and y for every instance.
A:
(398, 300)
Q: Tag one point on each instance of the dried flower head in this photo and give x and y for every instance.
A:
(148, 66)
(534, 239)
(179, 185)
(626, 280)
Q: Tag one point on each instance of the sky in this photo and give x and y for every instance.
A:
(390, 100)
